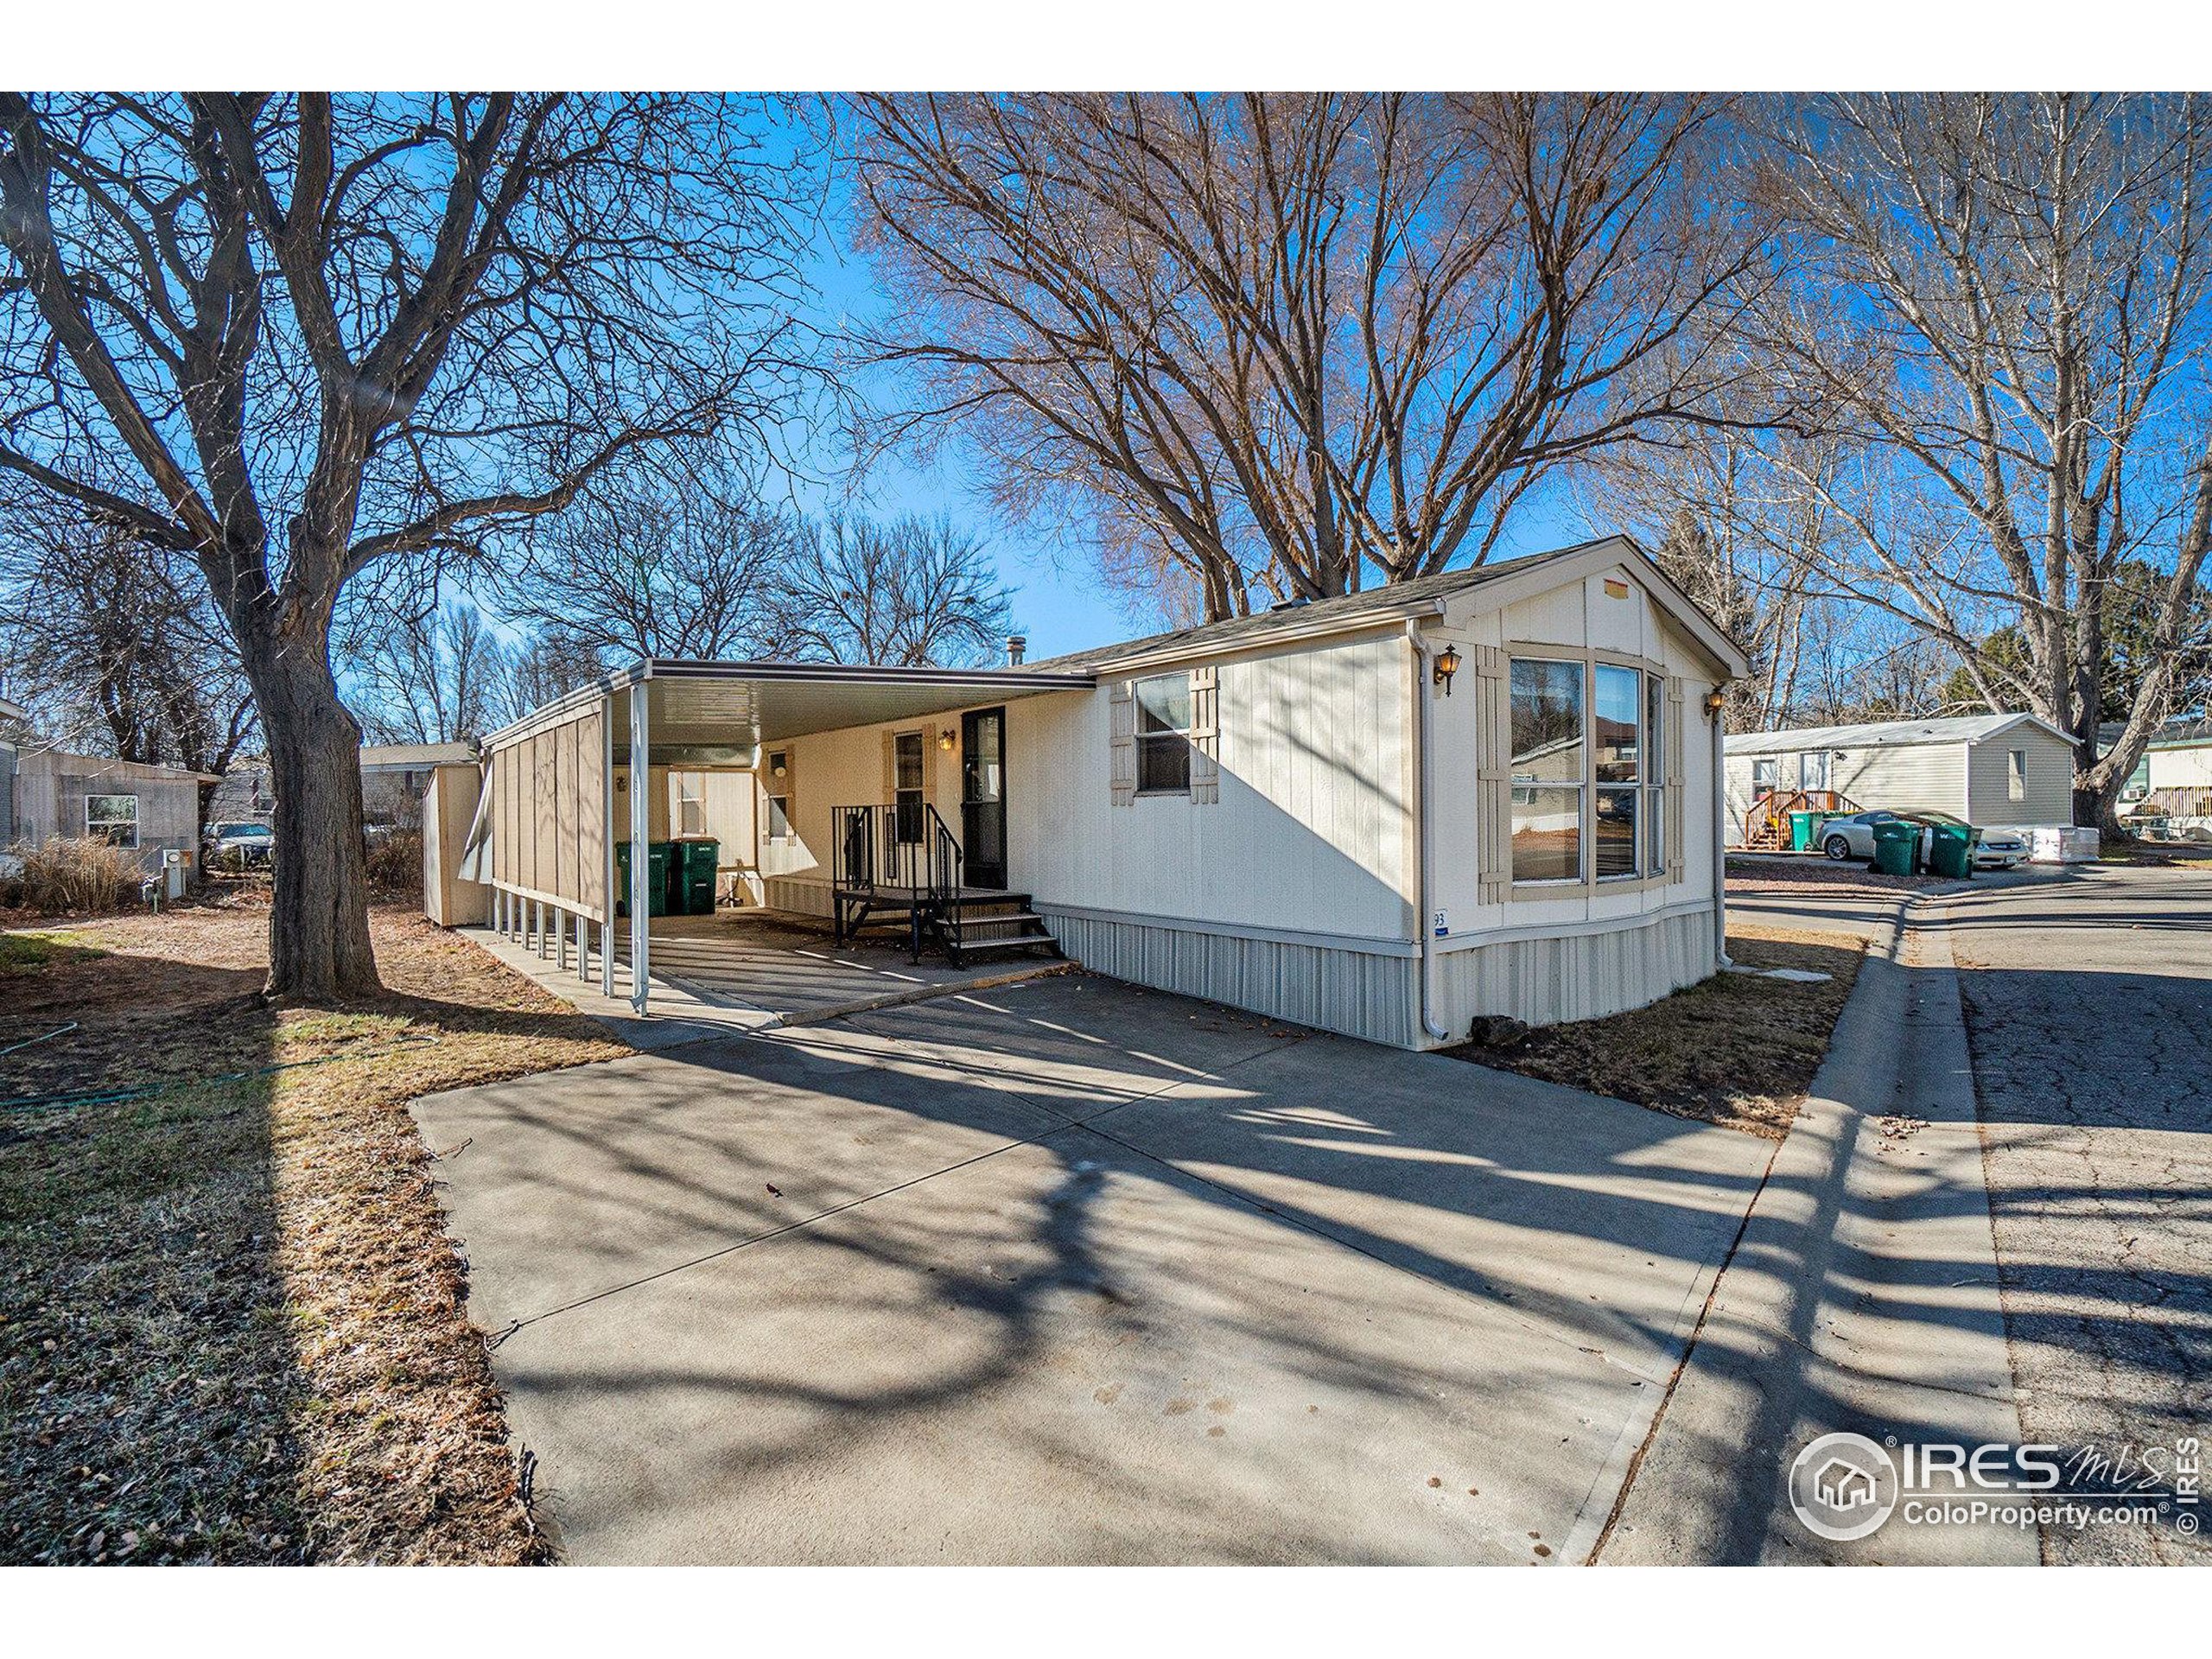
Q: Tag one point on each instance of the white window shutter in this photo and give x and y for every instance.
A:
(1124, 742)
(1493, 776)
(1205, 735)
(1675, 791)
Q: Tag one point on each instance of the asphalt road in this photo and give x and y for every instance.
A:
(2089, 1003)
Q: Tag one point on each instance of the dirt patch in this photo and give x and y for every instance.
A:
(1786, 875)
(1736, 1049)
(231, 1325)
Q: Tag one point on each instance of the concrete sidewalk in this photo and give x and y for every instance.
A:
(1863, 1296)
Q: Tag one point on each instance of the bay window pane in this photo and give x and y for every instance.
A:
(1616, 837)
(1547, 722)
(1655, 724)
(1654, 821)
(1546, 833)
(1620, 697)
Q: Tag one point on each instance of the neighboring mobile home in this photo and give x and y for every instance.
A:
(1992, 770)
(1492, 791)
(149, 810)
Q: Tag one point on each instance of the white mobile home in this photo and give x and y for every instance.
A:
(1493, 792)
(1992, 770)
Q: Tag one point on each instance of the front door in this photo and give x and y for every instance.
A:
(982, 797)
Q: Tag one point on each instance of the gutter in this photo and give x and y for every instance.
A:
(1422, 934)
(1719, 719)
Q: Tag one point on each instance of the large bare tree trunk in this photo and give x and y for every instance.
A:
(319, 925)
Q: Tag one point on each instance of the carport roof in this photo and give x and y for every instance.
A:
(710, 713)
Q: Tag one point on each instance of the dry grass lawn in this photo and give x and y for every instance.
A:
(231, 1322)
(1735, 1049)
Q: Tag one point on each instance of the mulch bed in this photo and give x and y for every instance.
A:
(1734, 1049)
(232, 1324)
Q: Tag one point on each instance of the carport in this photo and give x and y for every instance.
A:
(556, 791)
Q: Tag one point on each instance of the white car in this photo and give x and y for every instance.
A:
(2001, 850)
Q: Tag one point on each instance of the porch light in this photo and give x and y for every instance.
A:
(944, 740)
(1447, 665)
(1715, 701)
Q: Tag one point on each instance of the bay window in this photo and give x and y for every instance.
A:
(1587, 771)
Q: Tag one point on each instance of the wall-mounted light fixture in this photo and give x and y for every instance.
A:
(1715, 701)
(1447, 665)
(945, 739)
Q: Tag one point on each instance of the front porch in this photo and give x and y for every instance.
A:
(736, 972)
(574, 786)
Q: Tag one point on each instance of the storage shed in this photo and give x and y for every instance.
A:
(1992, 770)
(1490, 791)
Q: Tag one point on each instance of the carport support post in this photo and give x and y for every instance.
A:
(606, 817)
(641, 863)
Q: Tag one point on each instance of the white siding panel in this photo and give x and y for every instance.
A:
(1307, 834)
(2049, 797)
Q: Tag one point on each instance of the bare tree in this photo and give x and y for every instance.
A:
(544, 668)
(116, 648)
(424, 677)
(1290, 339)
(911, 591)
(673, 560)
(293, 337)
(1999, 303)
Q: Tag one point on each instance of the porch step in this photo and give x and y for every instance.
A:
(970, 917)
(1012, 942)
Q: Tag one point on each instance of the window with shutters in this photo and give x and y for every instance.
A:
(1164, 734)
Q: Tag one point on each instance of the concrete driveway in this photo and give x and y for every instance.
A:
(1067, 1272)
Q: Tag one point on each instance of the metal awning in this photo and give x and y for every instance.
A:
(704, 714)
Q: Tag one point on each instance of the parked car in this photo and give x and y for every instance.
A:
(1999, 849)
(1852, 836)
(247, 843)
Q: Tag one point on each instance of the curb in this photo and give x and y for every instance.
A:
(1861, 1296)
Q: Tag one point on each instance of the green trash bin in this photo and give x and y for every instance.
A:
(691, 877)
(1803, 826)
(656, 878)
(1895, 840)
(1952, 856)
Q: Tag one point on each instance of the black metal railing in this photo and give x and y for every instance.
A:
(905, 851)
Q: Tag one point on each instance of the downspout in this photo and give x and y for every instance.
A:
(1719, 718)
(1425, 770)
